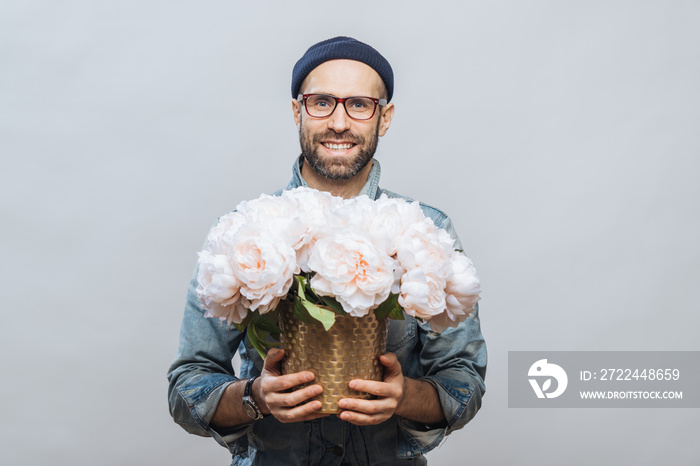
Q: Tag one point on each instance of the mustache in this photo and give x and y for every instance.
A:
(347, 135)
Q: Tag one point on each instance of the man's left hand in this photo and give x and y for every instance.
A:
(389, 394)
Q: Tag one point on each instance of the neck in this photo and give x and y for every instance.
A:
(341, 188)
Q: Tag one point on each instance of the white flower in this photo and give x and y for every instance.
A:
(278, 214)
(422, 293)
(216, 280)
(264, 264)
(352, 214)
(314, 204)
(232, 314)
(384, 224)
(220, 237)
(219, 289)
(462, 290)
(393, 218)
(352, 269)
(315, 209)
(358, 251)
(427, 247)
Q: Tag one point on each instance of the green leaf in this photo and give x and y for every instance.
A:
(301, 313)
(242, 326)
(256, 339)
(271, 344)
(331, 302)
(312, 296)
(293, 288)
(390, 308)
(310, 313)
(267, 322)
(325, 316)
(396, 313)
(301, 284)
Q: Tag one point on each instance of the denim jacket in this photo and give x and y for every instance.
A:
(454, 362)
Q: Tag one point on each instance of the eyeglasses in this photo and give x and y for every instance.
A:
(323, 105)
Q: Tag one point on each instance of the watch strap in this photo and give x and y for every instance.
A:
(249, 386)
(250, 407)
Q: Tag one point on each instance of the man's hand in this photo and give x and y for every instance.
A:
(270, 391)
(389, 394)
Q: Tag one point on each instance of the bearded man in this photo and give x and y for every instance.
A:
(432, 384)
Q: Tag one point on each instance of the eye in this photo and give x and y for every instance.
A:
(360, 104)
(320, 101)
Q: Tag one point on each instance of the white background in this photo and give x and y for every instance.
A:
(561, 137)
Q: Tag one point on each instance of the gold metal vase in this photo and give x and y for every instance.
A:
(349, 350)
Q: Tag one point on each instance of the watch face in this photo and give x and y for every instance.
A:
(249, 410)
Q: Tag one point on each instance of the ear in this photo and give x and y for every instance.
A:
(296, 110)
(385, 119)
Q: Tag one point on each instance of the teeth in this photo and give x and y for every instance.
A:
(337, 146)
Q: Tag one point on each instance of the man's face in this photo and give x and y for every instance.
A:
(338, 147)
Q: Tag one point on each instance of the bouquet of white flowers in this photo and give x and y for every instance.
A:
(331, 256)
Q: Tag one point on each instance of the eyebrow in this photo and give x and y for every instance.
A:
(337, 97)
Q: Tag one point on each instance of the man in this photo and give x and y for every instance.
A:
(433, 384)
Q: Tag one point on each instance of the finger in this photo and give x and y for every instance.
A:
(369, 407)
(361, 419)
(287, 400)
(272, 365)
(391, 364)
(388, 359)
(381, 389)
(273, 361)
(285, 382)
(304, 412)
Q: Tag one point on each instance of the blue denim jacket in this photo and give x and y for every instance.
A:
(454, 362)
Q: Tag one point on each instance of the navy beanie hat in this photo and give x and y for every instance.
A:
(339, 48)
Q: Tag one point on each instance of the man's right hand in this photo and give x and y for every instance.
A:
(270, 391)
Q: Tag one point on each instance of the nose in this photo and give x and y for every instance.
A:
(339, 120)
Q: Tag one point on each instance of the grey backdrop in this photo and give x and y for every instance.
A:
(562, 137)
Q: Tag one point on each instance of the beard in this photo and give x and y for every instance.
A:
(337, 168)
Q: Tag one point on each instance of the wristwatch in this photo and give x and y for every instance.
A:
(250, 407)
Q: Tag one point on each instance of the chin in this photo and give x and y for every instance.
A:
(335, 169)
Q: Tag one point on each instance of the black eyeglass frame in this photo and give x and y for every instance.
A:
(377, 102)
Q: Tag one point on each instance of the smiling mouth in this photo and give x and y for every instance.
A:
(338, 147)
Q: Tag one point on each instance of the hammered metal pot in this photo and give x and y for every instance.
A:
(349, 350)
